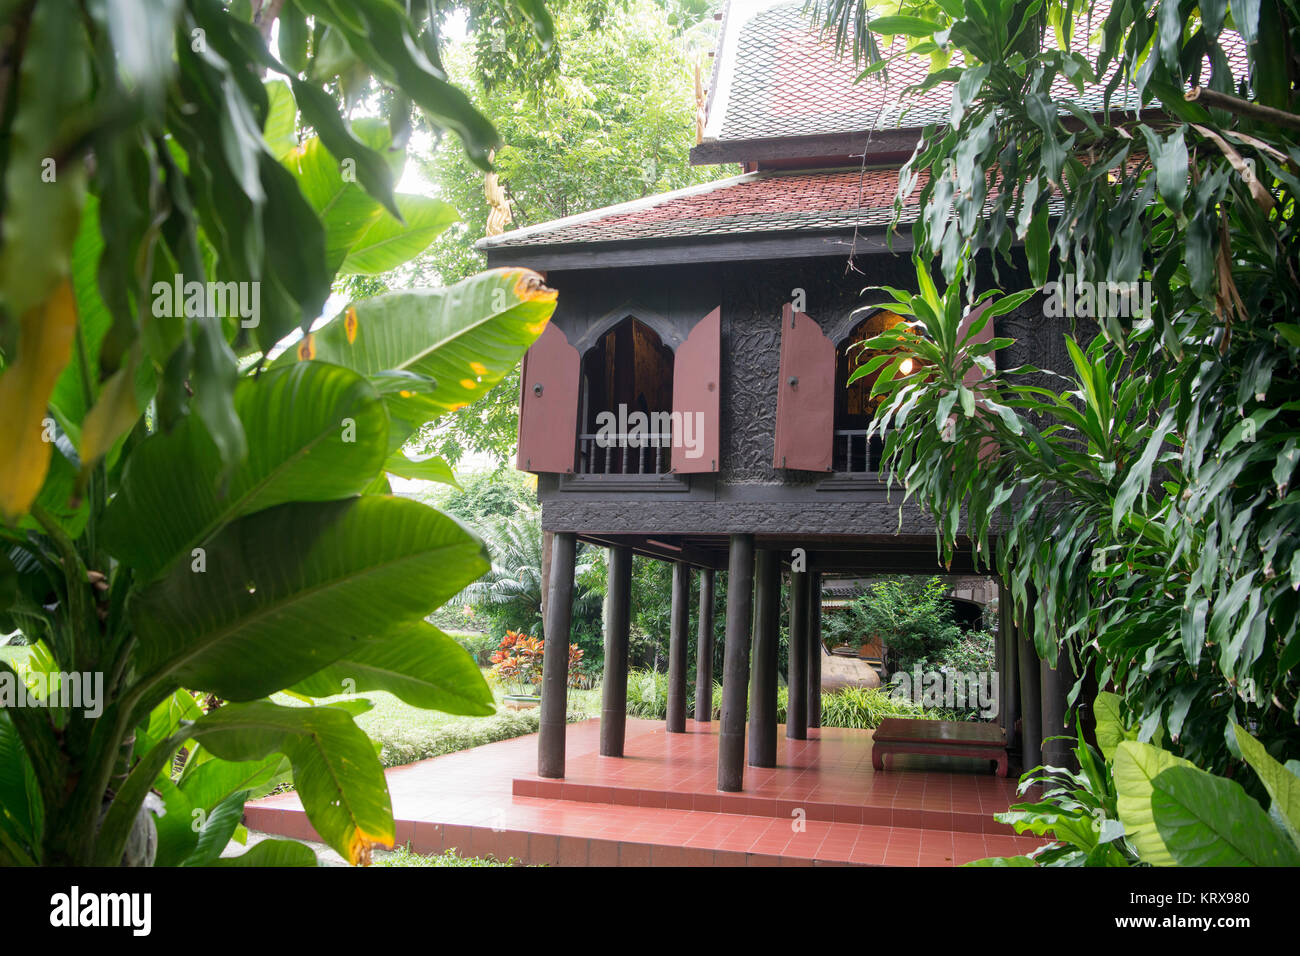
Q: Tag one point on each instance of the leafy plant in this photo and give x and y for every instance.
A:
(911, 617)
(518, 662)
(237, 539)
(1136, 802)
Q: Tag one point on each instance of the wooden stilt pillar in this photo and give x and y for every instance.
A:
(613, 695)
(735, 664)
(680, 624)
(1055, 688)
(555, 659)
(704, 651)
(548, 542)
(763, 681)
(1009, 668)
(796, 712)
(815, 649)
(1031, 712)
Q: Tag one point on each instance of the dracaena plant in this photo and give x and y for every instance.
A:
(183, 533)
(1140, 503)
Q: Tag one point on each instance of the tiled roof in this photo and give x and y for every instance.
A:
(803, 201)
(775, 77)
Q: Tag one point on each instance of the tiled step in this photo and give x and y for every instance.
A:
(637, 836)
(824, 811)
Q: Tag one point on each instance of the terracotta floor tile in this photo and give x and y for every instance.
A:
(634, 810)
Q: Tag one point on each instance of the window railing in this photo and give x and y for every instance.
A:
(856, 452)
(653, 457)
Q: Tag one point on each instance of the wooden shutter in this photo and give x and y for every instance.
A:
(805, 396)
(548, 406)
(697, 387)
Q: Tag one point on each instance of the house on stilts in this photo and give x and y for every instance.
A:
(689, 401)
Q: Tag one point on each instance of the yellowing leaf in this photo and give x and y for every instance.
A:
(44, 347)
(112, 415)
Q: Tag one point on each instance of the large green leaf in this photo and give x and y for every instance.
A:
(47, 87)
(1110, 725)
(424, 469)
(465, 338)
(292, 589)
(335, 769)
(21, 814)
(1282, 785)
(388, 243)
(211, 781)
(1136, 767)
(218, 826)
(1207, 820)
(272, 853)
(418, 663)
(332, 189)
(316, 432)
(281, 130)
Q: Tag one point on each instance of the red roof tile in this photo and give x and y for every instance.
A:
(810, 201)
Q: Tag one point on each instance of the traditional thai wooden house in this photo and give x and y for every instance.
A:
(688, 401)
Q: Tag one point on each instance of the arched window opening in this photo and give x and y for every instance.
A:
(852, 450)
(626, 403)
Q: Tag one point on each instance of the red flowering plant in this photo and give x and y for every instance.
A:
(517, 662)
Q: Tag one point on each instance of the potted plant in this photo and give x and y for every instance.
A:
(517, 664)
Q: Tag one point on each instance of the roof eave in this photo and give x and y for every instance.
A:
(875, 144)
(618, 254)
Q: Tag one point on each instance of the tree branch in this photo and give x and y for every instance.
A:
(1235, 104)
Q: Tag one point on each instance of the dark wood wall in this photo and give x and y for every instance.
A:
(748, 494)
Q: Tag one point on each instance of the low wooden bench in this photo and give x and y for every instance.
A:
(949, 738)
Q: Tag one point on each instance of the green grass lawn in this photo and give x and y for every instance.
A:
(408, 734)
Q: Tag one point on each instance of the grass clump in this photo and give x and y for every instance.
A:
(405, 856)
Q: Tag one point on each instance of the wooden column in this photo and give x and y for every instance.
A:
(815, 649)
(1055, 688)
(796, 712)
(613, 695)
(763, 681)
(1031, 728)
(555, 659)
(680, 618)
(735, 663)
(548, 542)
(1009, 667)
(704, 651)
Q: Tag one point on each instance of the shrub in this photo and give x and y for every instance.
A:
(518, 663)
(864, 708)
(403, 745)
(480, 646)
(973, 651)
(647, 697)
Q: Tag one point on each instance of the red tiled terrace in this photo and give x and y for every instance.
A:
(658, 804)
